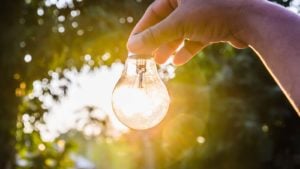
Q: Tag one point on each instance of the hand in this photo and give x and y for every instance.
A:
(167, 23)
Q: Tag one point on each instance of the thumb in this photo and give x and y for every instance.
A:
(147, 41)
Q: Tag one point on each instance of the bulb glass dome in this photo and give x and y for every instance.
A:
(140, 99)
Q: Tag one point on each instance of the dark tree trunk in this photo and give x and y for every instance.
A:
(8, 114)
(9, 17)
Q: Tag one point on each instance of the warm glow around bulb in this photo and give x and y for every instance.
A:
(138, 104)
(140, 99)
(138, 109)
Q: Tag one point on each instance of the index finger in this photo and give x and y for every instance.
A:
(156, 12)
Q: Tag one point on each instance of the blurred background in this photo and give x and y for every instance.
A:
(59, 62)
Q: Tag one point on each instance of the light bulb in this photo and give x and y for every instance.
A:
(140, 99)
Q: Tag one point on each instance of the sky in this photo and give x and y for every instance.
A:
(88, 87)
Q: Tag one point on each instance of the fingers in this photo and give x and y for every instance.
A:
(156, 12)
(164, 52)
(237, 43)
(167, 30)
(187, 52)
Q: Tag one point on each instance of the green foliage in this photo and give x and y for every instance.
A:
(226, 111)
(33, 153)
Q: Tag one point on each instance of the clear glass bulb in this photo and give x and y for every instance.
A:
(140, 99)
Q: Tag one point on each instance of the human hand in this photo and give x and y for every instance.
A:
(167, 23)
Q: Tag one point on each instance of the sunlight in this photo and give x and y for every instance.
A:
(294, 6)
(139, 103)
(60, 3)
(89, 88)
(27, 58)
(81, 100)
(200, 139)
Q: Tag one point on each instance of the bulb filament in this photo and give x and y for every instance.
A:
(140, 70)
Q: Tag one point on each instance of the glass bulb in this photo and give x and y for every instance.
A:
(140, 99)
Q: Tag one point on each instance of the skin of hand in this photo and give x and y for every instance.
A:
(269, 29)
(166, 23)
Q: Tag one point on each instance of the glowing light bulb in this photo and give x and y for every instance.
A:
(140, 99)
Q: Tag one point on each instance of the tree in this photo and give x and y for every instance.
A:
(227, 109)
